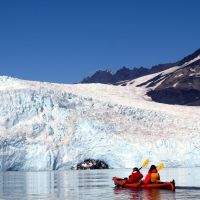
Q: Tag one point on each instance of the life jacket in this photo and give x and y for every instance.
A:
(152, 177)
(155, 177)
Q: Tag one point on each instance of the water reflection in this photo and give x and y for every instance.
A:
(92, 184)
(156, 194)
(146, 194)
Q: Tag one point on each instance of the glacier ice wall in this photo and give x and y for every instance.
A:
(42, 128)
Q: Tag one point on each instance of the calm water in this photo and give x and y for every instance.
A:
(93, 184)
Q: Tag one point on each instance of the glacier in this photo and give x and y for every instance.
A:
(49, 126)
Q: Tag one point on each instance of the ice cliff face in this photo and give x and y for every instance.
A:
(47, 126)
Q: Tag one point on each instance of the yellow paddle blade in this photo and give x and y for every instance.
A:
(160, 166)
(145, 163)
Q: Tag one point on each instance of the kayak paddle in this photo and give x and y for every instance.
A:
(160, 166)
(145, 163)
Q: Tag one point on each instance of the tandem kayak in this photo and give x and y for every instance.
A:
(164, 185)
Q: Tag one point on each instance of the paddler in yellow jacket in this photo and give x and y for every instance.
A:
(153, 176)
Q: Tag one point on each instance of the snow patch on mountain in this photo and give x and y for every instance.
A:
(191, 61)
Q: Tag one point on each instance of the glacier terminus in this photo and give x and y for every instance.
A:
(49, 126)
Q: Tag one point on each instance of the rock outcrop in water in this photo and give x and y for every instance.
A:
(92, 164)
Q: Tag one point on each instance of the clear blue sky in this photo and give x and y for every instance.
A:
(67, 40)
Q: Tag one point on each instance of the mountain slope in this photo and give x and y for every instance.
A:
(124, 74)
(181, 86)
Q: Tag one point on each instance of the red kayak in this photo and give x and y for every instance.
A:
(164, 185)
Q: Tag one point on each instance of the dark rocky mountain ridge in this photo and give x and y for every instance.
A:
(181, 86)
(107, 77)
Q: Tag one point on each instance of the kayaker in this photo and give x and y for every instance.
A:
(153, 176)
(135, 176)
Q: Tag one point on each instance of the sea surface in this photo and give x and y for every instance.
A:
(94, 185)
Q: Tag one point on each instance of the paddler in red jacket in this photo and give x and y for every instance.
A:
(135, 176)
(153, 176)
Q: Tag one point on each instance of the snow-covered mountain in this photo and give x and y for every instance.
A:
(180, 86)
(123, 74)
(177, 85)
(46, 126)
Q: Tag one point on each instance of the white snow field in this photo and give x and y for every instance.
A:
(45, 126)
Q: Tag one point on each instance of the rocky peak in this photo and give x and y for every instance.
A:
(125, 73)
(99, 76)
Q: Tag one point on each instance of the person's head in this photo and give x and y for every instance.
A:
(153, 167)
(135, 169)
